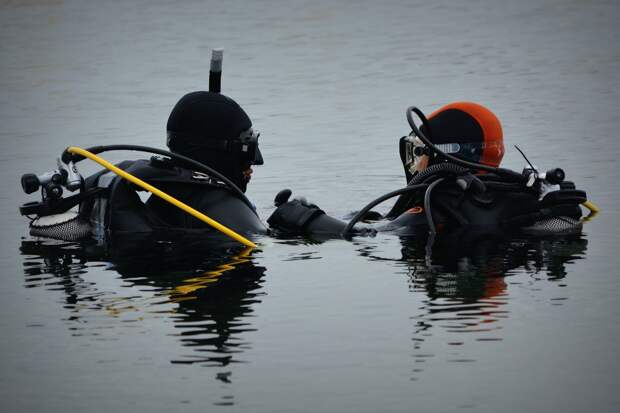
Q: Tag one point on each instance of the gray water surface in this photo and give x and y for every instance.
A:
(368, 325)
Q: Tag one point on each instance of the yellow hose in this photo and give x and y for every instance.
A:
(190, 285)
(593, 208)
(225, 230)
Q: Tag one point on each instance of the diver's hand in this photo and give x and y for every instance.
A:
(293, 216)
(282, 197)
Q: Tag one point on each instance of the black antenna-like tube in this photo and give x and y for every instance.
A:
(215, 73)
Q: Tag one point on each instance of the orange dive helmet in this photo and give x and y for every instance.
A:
(468, 131)
(464, 130)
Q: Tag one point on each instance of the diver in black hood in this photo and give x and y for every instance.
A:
(454, 182)
(198, 186)
(214, 130)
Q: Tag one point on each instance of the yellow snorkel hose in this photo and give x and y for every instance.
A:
(223, 229)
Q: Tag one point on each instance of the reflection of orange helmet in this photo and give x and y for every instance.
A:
(468, 131)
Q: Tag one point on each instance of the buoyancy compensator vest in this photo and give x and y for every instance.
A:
(119, 208)
(464, 199)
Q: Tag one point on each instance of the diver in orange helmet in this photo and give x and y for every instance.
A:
(454, 181)
(465, 130)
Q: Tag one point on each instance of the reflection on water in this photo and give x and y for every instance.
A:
(468, 289)
(465, 279)
(209, 297)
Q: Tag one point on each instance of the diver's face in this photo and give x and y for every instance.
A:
(247, 174)
(422, 164)
(413, 152)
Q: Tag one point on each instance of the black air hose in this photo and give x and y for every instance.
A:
(427, 206)
(443, 169)
(376, 202)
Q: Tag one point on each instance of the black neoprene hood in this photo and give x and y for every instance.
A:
(207, 127)
(201, 116)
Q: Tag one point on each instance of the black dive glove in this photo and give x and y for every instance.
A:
(293, 216)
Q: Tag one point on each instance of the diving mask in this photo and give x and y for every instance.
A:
(415, 150)
(245, 146)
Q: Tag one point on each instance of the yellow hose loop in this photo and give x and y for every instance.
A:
(223, 229)
(591, 207)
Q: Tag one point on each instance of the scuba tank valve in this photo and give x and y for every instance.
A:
(72, 179)
(32, 182)
(52, 184)
(65, 175)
